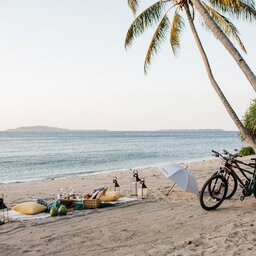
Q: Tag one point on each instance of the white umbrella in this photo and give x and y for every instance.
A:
(181, 176)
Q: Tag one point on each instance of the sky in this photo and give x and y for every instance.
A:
(63, 64)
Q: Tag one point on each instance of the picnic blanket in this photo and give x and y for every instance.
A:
(15, 216)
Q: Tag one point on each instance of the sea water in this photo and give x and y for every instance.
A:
(40, 155)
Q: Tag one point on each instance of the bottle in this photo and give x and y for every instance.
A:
(60, 195)
(71, 191)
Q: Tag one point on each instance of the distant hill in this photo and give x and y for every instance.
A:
(37, 128)
(191, 130)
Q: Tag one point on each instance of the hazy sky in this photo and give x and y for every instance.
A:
(63, 63)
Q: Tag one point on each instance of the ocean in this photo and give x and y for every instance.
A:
(42, 155)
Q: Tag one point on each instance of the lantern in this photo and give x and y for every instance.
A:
(134, 183)
(115, 186)
(3, 212)
(142, 189)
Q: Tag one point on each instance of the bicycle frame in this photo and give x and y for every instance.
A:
(235, 164)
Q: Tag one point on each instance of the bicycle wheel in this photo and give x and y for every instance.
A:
(231, 180)
(254, 188)
(210, 199)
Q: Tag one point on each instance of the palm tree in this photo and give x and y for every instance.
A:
(244, 9)
(154, 14)
(234, 8)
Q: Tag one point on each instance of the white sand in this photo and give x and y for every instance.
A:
(161, 225)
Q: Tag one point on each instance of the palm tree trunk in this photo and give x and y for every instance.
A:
(247, 137)
(226, 42)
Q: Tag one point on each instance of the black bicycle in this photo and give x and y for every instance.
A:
(223, 183)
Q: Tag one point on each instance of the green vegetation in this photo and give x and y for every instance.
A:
(246, 151)
(249, 119)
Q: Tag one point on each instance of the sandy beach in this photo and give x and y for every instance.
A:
(160, 225)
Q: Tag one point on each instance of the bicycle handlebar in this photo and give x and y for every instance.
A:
(228, 157)
(225, 152)
(217, 154)
(231, 159)
(233, 156)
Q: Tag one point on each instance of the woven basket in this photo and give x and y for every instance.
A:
(69, 203)
(91, 203)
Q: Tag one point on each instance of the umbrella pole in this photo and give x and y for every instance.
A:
(170, 189)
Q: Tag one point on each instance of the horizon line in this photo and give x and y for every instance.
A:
(49, 128)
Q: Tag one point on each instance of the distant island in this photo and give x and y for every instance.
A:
(37, 129)
(43, 128)
(191, 130)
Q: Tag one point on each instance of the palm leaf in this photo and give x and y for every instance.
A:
(226, 25)
(146, 19)
(240, 9)
(158, 37)
(176, 29)
(227, 3)
(133, 4)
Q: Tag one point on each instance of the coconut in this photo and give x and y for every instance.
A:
(54, 212)
(62, 210)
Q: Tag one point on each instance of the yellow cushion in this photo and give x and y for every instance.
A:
(29, 208)
(110, 196)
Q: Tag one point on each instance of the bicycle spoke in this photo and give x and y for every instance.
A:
(213, 193)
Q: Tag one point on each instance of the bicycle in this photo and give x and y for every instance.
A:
(223, 183)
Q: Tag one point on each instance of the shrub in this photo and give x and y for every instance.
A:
(249, 119)
(246, 151)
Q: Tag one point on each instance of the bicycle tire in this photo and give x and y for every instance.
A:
(254, 190)
(221, 185)
(231, 180)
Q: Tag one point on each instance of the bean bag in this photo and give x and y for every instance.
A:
(29, 208)
(110, 196)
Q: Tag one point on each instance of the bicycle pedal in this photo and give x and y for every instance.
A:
(242, 198)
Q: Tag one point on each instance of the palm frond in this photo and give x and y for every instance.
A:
(227, 3)
(176, 30)
(239, 9)
(226, 25)
(158, 37)
(133, 4)
(146, 19)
